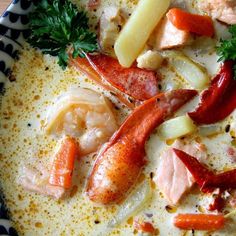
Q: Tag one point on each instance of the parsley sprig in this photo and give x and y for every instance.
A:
(227, 48)
(56, 26)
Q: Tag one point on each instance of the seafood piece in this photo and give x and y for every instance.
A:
(36, 180)
(223, 10)
(219, 100)
(120, 161)
(85, 115)
(138, 83)
(111, 21)
(173, 178)
(168, 36)
(83, 65)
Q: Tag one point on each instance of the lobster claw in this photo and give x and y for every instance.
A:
(120, 162)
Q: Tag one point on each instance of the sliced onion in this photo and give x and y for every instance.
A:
(133, 204)
(208, 130)
(189, 70)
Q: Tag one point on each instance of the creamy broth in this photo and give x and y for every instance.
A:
(39, 81)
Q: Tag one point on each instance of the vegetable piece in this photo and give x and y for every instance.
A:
(63, 164)
(137, 30)
(138, 83)
(145, 227)
(199, 221)
(150, 60)
(209, 130)
(219, 100)
(57, 25)
(124, 155)
(227, 48)
(201, 25)
(84, 66)
(176, 127)
(199, 172)
(132, 205)
(189, 70)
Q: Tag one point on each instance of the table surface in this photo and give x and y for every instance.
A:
(3, 5)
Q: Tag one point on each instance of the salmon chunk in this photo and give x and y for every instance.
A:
(36, 180)
(172, 177)
(223, 10)
(168, 36)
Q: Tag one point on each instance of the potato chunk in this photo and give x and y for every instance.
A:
(137, 30)
(176, 128)
(150, 60)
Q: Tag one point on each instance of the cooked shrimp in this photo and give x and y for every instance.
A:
(223, 10)
(120, 162)
(83, 114)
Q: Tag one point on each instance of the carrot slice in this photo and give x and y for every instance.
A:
(199, 221)
(201, 25)
(63, 164)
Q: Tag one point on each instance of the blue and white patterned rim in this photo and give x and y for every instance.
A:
(13, 32)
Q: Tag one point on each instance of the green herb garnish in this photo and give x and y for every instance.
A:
(58, 26)
(227, 48)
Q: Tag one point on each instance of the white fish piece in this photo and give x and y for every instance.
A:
(111, 22)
